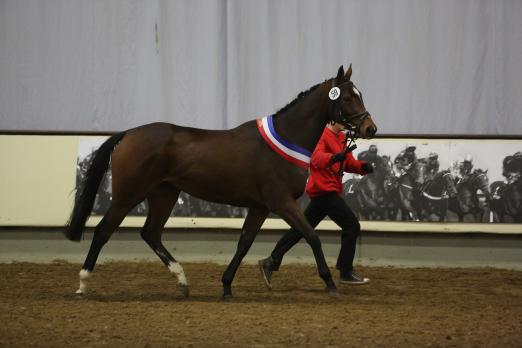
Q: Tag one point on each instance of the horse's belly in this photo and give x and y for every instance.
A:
(219, 189)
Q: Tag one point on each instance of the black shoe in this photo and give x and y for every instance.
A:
(352, 278)
(266, 267)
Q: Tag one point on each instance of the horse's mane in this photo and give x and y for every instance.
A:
(440, 173)
(298, 98)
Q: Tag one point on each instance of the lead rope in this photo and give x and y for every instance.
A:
(347, 148)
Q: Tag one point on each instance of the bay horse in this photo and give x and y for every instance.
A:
(261, 165)
(436, 193)
(467, 201)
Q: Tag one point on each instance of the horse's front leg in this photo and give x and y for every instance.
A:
(251, 226)
(290, 212)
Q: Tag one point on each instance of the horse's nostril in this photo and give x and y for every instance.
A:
(371, 130)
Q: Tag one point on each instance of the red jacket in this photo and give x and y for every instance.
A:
(323, 174)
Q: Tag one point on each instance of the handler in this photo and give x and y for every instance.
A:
(325, 187)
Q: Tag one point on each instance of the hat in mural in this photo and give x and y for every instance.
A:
(373, 148)
(468, 158)
(433, 155)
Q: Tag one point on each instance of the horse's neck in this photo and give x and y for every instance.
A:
(438, 184)
(303, 124)
(407, 178)
(387, 167)
(380, 173)
(476, 182)
(471, 185)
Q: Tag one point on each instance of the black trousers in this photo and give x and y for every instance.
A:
(332, 205)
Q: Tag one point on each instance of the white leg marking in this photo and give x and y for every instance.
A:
(176, 268)
(84, 274)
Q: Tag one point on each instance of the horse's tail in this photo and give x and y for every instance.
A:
(88, 188)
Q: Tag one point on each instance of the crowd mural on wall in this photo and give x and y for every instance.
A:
(414, 180)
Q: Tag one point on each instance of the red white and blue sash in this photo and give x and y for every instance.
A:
(291, 152)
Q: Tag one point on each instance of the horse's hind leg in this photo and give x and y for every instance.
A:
(161, 202)
(102, 233)
(251, 226)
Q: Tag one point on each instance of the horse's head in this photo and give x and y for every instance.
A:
(348, 107)
(480, 179)
(418, 172)
(449, 182)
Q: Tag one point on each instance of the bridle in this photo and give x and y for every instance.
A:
(347, 120)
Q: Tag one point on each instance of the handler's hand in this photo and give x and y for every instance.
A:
(367, 167)
(338, 157)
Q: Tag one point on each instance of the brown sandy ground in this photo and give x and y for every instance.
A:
(138, 305)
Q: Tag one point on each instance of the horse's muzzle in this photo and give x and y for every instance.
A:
(368, 128)
(370, 131)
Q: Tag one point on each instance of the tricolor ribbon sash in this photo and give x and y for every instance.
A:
(291, 152)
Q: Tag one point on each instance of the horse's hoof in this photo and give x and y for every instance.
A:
(227, 292)
(184, 288)
(332, 291)
(80, 292)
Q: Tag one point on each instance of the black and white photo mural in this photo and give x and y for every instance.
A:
(466, 180)
(438, 180)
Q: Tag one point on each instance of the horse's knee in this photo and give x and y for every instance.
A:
(101, 234)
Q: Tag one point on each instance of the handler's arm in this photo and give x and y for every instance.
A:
(321, 157)
(351, 165)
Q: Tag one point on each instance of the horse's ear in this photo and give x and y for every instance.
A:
(348, 75)
(340, 74)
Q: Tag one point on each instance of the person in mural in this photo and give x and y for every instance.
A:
(466, 167)
(324, 187)
(512, 167)
(476, 178)
(102, 198)
(432, 166)
(371, 156)
(407, 163)
(406, 159)
(82, 167)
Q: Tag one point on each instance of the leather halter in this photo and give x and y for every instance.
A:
(348, 119)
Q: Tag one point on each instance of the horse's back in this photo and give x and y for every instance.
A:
(204, 163)
(164, 131)
(154, 137)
